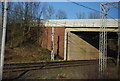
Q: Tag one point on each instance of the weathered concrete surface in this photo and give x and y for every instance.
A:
(90, 29)
(68, 25)
(79, 22)
(79, 49)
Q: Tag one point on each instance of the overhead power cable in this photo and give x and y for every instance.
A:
(91, 9)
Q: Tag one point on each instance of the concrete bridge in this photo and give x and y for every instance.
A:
(74, 37)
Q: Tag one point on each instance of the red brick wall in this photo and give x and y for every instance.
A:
(58, 39)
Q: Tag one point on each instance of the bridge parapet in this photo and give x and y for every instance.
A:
(79, 23)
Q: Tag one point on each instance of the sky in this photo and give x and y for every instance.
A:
(59, 0)
(71, 9)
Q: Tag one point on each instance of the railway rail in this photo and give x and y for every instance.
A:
(14, 67)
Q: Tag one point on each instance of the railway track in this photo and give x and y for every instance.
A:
(14, 67)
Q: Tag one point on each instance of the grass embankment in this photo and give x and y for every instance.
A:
(26, 53)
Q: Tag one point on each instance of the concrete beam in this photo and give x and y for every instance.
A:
(80, 23)
(90, 29)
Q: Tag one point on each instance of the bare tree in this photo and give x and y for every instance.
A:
(93, 15)
(14, 30)
(48, 11)
(80, 15)
(61, 14)
(20, 19)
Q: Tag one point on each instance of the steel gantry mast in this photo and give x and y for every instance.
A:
(103, 39)
(102, 43)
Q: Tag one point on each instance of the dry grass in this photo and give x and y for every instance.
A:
(26, 53)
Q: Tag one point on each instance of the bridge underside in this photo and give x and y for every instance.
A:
(83, 43)
(95, 29)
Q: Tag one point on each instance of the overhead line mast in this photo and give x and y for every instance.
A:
(103, 39)
(3, 38)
